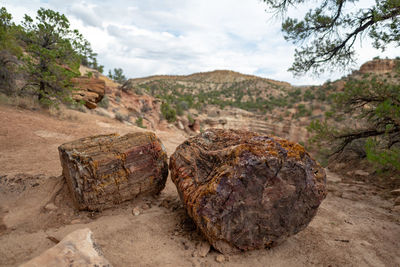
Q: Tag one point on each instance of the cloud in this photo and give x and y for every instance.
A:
(86, 14)
(183, 36)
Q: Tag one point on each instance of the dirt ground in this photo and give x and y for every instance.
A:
(354, 225)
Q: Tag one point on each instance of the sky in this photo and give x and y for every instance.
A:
(181, 37)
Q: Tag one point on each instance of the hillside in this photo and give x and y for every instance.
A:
(221, 87)
(355, 216)
(228, 99)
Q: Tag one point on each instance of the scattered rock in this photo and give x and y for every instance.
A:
(220, 258)
(361, 173)
(195, 127)
(136, 211)
(104, 170)
(395, 192)
(180, 125)
(145, 206)
(232, 181)
(396, 209)
(76, 221)
(76, 249)
(51, 207)
(397, 201)
(203, 248)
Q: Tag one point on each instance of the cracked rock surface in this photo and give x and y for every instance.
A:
(105, 170)
(244, 190)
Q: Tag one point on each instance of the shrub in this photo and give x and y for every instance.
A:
(119, 117)
(104, 103)
(190, 119)
(139, 123)
(168, 112)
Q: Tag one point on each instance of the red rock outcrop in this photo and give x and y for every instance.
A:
(104, 170)
(90, 90)
(245, 190)
(378, 66)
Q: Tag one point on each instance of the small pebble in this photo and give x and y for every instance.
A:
(51, 206)
(76, 221)
(136, 211)
(220, 258)
(203, 248)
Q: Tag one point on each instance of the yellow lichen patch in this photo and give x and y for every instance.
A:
(294, 150)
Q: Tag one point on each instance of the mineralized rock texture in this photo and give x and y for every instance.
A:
(244, 190)
(104, 170)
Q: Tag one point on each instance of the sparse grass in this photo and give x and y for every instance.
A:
(62, 113)
(139, 123)
(120, 117)
(24, 102)
(104, 103)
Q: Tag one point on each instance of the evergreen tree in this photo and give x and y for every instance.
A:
(374, 108)
(54, 54)
(117, 76)
(328, 32)
(10, 50)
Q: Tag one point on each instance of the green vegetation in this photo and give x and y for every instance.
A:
(168, 113)
(104, 103)
(9, 52)
(139, 123)
(190, 119)
(328, 32)
(302, 111)
(375, 109)
(52, 55)
(256, 95)
(117, 75)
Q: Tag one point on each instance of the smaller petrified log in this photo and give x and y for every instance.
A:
(104, 170)
(244, 190)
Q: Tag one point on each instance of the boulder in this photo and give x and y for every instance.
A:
(195, 127)
(76, 249)
(104, 170)
(246, 191)
(90, 90)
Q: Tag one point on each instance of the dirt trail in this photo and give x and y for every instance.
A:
(353, 227)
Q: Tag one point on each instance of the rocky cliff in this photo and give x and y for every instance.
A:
(378, 66)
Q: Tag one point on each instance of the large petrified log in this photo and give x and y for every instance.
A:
(244, 190)
(104, 170)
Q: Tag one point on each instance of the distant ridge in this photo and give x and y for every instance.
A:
(216, 76)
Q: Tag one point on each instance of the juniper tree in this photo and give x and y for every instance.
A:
(54, 53)
(117, 75)
(374, 108)
(9, 51)
(326, 37)
(328, 32)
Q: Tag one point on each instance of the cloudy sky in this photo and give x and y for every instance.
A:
(184, 36)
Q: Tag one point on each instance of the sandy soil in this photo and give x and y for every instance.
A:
(353, 227)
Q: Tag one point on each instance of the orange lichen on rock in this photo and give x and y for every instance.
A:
(244, 190)
(107, 169)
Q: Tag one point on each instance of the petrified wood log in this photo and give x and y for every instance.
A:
(104, 170)
(244, 190)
